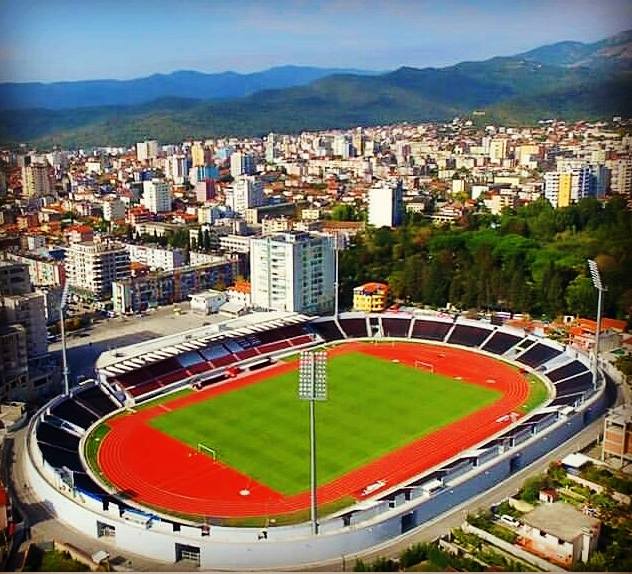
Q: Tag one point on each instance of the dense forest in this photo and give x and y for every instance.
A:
(529, 260)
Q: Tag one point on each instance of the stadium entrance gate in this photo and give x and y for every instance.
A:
(187, 552)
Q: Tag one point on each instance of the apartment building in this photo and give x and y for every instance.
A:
(137, 294)
(293, 272)
(386, 207)
(156, 257)
(157, 196)
(91, 267)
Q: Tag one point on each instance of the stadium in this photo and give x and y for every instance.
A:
(195, 446)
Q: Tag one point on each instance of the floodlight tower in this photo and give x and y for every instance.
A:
(601, 289)
(312, 386)
(62, 307)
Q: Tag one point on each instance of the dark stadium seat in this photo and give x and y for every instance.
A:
(566, 400)
(233, 346)
(59, 457)
(395, 326)
(85, 484)
(189, 359)
(538, 354)
(302, 340)
(55, 436)
(214, 352)
(73, 412)
(500, 343)
(224, 361)
(272, 347)
(577, 384)
(246, 354)
(144, 388)
(133, 378)
(566, 371)
(199, 368)
(95, 398)
(431, 330)
(468, 335)
(328, 330)
(354, 327)
(280, 333)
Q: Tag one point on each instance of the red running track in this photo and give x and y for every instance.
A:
(155, 469)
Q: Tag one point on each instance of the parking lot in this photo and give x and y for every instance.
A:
(85, 346)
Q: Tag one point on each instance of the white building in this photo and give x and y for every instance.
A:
(157, 195)
(560, 533)
(242, 164)
(235, 243)
(245, 193)
(561, 188)
(147, 150)
(93, 266)
(199, 258)
(293, 272)
(156, 257)
(386, 206)
(208, 302)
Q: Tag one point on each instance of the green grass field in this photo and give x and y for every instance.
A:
(374, 406)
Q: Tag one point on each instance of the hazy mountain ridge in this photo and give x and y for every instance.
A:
(182, 83)
(512, 89)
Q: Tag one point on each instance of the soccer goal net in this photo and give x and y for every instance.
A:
(425, 366)
(201, 447)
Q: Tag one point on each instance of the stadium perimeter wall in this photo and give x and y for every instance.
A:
(244, 548)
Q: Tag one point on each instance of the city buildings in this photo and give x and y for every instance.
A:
(92, 267)
(136, 294)
(293, 272)
(156, 257)
(25, 371)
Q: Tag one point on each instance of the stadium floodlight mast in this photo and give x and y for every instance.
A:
(312, 387)
(62, 307)
(601, 289)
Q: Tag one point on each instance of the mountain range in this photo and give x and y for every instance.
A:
(569, 80)
(183, 83)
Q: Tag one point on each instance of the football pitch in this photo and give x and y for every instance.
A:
(374, 406)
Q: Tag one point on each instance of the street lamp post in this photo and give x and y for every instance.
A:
(312, 386)
(62, 307)
(601, 289)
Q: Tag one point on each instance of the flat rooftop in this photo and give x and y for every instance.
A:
(560, 519)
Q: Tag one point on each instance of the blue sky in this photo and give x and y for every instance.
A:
(52, 40)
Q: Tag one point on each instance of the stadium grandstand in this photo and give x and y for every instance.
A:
(133, 374)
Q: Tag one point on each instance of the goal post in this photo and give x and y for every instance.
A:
(201, 447)
(423, 365)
